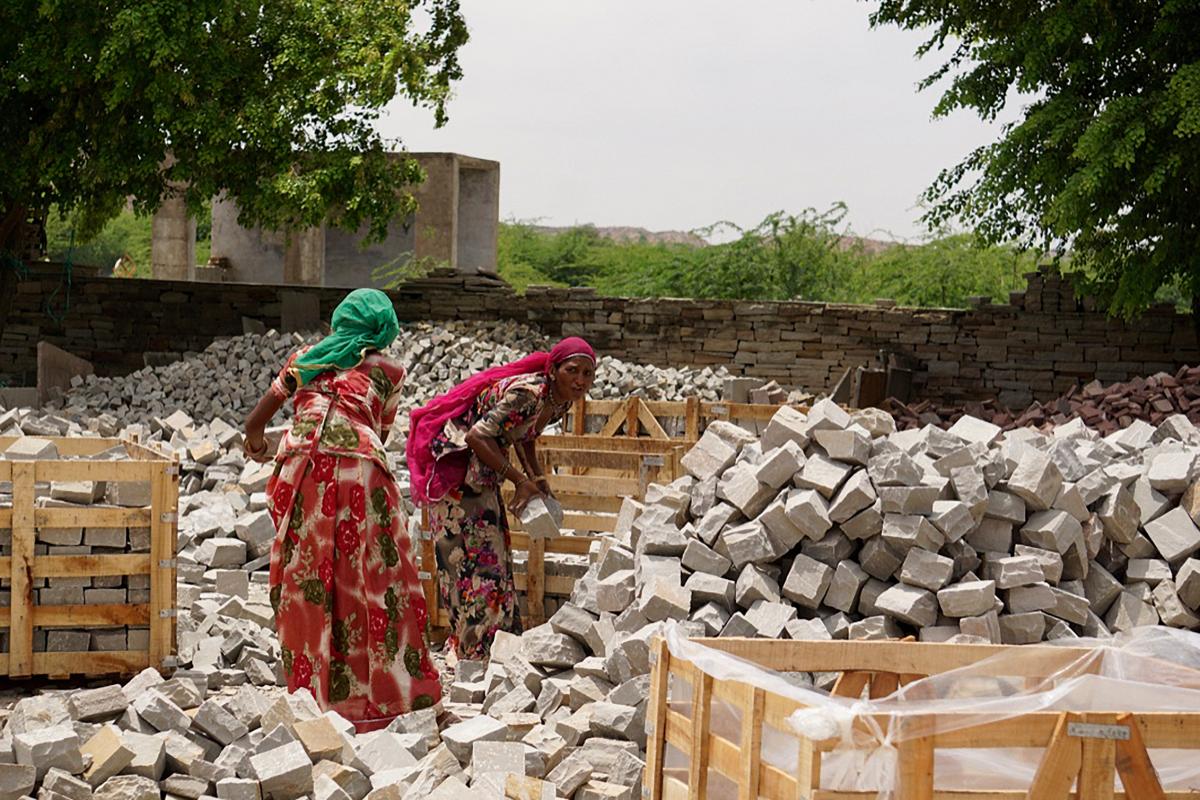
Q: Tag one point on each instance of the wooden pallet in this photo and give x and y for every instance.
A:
(877, 668)
(591, 476)
(636, 417)
(145, 465)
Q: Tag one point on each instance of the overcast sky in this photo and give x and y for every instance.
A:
(673, 114)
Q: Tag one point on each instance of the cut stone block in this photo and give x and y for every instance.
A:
(967, 599)
(926, 570)
(1070, 607)
(878, 559)
(974, 430)
(742, 490)
(699, 557)
(755, 584)
(908, 499)
(107, 755)
(856, 494)
(782, 532)
(31, 448)
(1174, 535)
(823, 474)
(285, 773)
(1151, 571)
(864, 524)
(1052, 530)
(462, 736)
(1026, 628)
(1171, 472)
(985, 627)
(1129, 611)
(1034, 597)
(1101, 588)
(809, 512)
(1120, 515)
(97, 705)
(845, 585)
(903, 532)
(807, 630)
(952, 518)
(909, 604)
(128, 787)
(1187, 582)
(847, 446)
(662, 600)
(1016, 571)
(770, 619)
(706, 588)
(894, 468)
(57, 746)
(543, 647)
(541, 517)
(746, 544)
(617, 592)
(715, 521)
(80, 492)
(779, 466)
(807, 582)
(1171, 610)
(1036, 480)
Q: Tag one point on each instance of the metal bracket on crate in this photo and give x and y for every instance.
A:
(423, 576)
(167, 563)
(170, 661)
(719, 408)
(653, 461)
(168, 516)
(173, 471)
(166, 613)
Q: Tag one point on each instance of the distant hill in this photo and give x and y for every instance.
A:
(626, 233)
(629, 234)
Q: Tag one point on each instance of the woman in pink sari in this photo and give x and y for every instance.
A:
(458, 455)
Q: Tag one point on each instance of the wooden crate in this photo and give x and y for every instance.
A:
(877, 668)
(637, 417)
(24, 518)
(590, 476)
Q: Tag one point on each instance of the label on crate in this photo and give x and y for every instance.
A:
(1087, 730)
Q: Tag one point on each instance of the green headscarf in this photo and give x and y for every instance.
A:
(364, 321)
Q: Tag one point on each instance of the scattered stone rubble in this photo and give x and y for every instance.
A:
(227, 379)
(829, 525)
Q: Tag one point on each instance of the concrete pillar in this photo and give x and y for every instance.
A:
(173, 241)
(478, 218)
(304, 260)
(436, 221)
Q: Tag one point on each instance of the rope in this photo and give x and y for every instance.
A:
(58, 315)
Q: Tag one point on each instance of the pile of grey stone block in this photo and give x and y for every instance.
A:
(834, 525)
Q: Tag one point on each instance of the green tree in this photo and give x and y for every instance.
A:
(1105, 159)
(272, 103)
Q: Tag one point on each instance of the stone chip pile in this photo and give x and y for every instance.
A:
(229, 376)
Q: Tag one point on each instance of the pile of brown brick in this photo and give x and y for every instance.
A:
(1103, 408)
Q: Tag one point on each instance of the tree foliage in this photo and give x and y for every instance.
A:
(272, 103)
(1104, 161)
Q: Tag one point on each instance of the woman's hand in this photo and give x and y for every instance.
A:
(526, 491)
(544, 484)
(259, 451)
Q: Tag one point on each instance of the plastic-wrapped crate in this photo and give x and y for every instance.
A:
(737, 718)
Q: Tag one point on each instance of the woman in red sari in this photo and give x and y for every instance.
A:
(349, 608)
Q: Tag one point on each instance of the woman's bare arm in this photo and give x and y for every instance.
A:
(260, 416)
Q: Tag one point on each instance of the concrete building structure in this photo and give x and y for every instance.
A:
(455, 225)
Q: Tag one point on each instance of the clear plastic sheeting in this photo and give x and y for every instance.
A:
(1145, 670)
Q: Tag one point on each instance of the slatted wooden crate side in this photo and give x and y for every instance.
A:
(1094, 768)
(590, 503)
(158, 470)
(655, 419)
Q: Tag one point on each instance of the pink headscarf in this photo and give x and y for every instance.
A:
(431, 479)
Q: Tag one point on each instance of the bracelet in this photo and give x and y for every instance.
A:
(255, 452)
